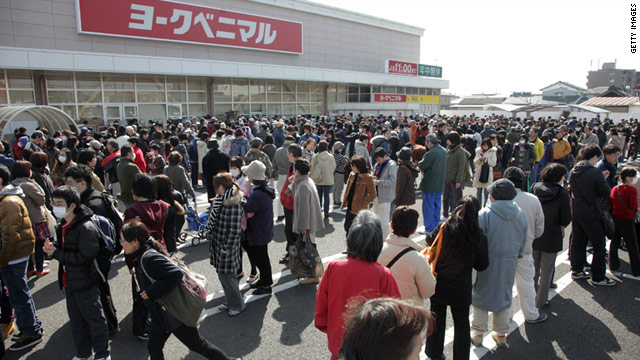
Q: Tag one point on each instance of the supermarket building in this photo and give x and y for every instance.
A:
(107, 60)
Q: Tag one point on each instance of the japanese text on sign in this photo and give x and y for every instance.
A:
(429, 70)
(173, 21)
(389, 98)
(405, 68)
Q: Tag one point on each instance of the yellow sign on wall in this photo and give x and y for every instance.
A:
(422, 99)
(436, 99)
(412, 98)
(429, 99)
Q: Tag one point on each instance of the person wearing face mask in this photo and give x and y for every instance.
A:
(62, 164)
(524, 154)
(17, 245)
(77, 248)
(624, 203)
(589, 194)
(126, 170)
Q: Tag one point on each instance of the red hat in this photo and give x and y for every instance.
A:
(239, 132)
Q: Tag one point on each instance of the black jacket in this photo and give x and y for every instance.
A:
(43, 178)
(81, 246)
(556, 207)
(93, 199)
(214, 162)
(589, 192)
(454, 273)
(166, 276)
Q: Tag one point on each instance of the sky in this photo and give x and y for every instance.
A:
(502, 46)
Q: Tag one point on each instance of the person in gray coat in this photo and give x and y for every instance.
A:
(384, 177)
(506, 228)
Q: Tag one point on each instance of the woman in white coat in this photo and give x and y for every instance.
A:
(485, 154)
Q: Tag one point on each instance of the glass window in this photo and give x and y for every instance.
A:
(332, 93)
(304, 97)
(274, 97)
(152, 111)
(197, 109)
(150, 82)
(274, 86)
(174, 111)
(376, 89)
(258, 108)
(353, 98)
(316, 88)
(342, 93)
(113, 112)
(436, 92)
(388, 89)
(22, 97)
(365, 97)
(241, 109)
(274, 109)
(61, 97)
(117, 81)
(88, 80)
(176, 83)
(147, 96)
(288, 109)
(60, 80)
(353, 89)
(221, 90)
(19, 79)
(240, 90)
(318, 97)
(303, 87)
(87, 112)
(315, 109)
(429, 92)
(174, 96)
(221, 110)
(288, 86)
(119, 96)
(423, 91)
(197, 83)
(184, 110)
(70, 110)
(400, 90)
(197, 96)
(257, 90)
(91, 96)
(3, 85)
(3, 97)
(289, 97)
(366, 89)
(302, 109)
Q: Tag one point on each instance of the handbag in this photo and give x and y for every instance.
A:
(484, 174)
(186, 301)
(304, 260)
(637, 213)
(433, 252)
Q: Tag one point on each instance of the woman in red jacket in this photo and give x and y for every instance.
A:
(357, 276)
(624, 202)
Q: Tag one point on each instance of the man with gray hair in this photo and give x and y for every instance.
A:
(433, 167)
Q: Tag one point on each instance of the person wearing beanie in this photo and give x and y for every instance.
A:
(506, 228)
(406, 179)
(525, 272)
(433, 167)
(456, 172)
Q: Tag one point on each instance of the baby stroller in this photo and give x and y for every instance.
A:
(196, 226)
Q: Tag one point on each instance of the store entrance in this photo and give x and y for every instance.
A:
(121, 112)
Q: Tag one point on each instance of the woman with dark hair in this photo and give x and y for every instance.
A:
(175, 217)
(224, 230)
(34, 199)
(63, 162)
(485, 154)
(88, 157)
(556, 207)
(358, 275)
(385, 328)
(590, 197)
(235, 169)
(178, 175)
(464, 247)
(624, 204)
(41, 175)
(360, 190)
(52, 152)
(158, 276)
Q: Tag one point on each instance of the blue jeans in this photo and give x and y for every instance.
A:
(534, 174)
(479, 195)
(431, 203)
(15, 278)
(323, 194)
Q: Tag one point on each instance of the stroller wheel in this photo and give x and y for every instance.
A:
(183, 236)
(195, 241)
(201, 234)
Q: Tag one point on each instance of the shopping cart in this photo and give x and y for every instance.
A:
(196, 226)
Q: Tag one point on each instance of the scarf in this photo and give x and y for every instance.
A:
(215, 209)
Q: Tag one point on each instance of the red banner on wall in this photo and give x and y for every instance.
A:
(389, 98)
(167, 20)
(401, 67)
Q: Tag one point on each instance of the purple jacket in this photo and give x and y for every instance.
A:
(260, 226)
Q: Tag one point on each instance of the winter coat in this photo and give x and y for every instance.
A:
(260, 229)
(202, 151)
(556, 207)
(18, 239)
(256, 154)
(179, 178)
(307, 214)
(603, 165)
(127, 171)
(76, 252)
(361, 150)
(532, 210)
(152, 213)
(342, 280)
(186, 162)
(142, 165)
(214, 162)
(278, 137)
(491, 159)
(225, 238)
(506, 229)
(524, 156)
(623, 201)
(589, 192)
(166, 276)
(322, 167)
(406, 184)
(454, 270)
(457, 165)
(365, 192)
(433, 165)
(33, 198)
(386, 188)
(239, 147)
(412, 272)
(42, 177)
(380, 141)
(281, 163)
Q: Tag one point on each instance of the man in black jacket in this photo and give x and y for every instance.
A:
(214, 162)
(79, 176)
(78, 246)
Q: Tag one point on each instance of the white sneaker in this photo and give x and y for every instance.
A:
(500, 339)
(476, 338)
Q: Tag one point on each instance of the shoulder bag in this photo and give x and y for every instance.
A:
(433, 252)
(637, 213)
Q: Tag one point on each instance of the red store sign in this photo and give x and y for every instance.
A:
(389, 98)
(167, 20)
(400, 67)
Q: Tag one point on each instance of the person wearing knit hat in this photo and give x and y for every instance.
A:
(254, 171)
(506, 228)
(525, 272)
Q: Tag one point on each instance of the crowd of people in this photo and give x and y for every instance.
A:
(81, 198)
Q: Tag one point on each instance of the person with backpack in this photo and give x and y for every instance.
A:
(79, 177)
(78, 246)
